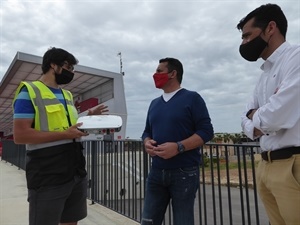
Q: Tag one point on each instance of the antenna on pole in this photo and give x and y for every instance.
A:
(121, 66)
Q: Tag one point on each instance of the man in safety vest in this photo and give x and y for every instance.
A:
(45, 119)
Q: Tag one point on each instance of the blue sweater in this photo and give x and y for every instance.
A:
(182, 116)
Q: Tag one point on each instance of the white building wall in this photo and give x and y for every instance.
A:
(116, 103)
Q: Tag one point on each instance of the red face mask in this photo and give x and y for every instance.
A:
(160, 79)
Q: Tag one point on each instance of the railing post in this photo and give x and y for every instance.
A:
(93, 170)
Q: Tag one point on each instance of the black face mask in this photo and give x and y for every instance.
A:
(65, 77)
(252, 50)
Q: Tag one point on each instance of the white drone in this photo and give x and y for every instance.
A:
(100, 124)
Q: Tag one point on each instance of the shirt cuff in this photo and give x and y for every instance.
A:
(257, 123)
(248, 128)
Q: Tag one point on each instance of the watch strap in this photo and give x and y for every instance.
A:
(248, 113)
(180, 147)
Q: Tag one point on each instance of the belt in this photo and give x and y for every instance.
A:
(283, 153)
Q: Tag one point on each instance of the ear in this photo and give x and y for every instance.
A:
(271, 28)
(173, 74)
(52, 65)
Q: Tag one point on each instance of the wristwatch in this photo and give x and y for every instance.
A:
(180, 148)
(248, 113)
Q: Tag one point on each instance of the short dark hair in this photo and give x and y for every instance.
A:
(174, 64)
(57, 56)
(263, 15)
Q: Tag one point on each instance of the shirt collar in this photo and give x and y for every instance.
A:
(168, 96)
(274, 56)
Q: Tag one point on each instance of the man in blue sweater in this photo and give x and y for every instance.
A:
(177, 124)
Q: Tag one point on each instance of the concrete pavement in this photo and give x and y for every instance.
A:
(14, 205)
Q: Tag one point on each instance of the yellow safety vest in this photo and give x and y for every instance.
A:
(50, 113)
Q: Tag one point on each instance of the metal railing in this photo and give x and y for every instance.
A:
(14, 154)
(117, 172)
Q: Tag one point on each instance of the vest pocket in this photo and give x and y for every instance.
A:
(57, 117)
(53, 108)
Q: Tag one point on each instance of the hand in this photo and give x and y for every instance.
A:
(257, 132)
(166, 150)
(73, 132)
(98, 110)
(149, 145)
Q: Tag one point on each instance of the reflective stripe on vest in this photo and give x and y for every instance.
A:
(30, 147)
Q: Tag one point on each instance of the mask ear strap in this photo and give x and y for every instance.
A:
(54, 70)
(270, 27)
(269, 40)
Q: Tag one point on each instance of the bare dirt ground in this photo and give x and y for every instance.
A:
(233, 179)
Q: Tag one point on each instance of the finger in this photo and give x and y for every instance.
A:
(101, 107)
(78, 124)
(152, 142)
(90, 112)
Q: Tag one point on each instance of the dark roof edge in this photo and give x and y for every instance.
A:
(21, 57)
(16, 62)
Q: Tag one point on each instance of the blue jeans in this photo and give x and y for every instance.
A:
(180, 186)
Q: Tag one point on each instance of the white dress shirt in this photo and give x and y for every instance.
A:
(277, 100)
(168, 96)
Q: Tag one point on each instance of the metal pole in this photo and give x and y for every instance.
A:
(93, 172)
(121, 65)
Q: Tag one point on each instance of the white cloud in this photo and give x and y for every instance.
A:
(202, 34)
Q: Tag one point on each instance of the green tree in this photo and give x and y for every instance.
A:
(217, 138)
(226, 137)
(236, 138)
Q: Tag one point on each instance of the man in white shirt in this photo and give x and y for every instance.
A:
(273, 113)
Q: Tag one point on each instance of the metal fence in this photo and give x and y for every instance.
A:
(14, 154)
(117, 172)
